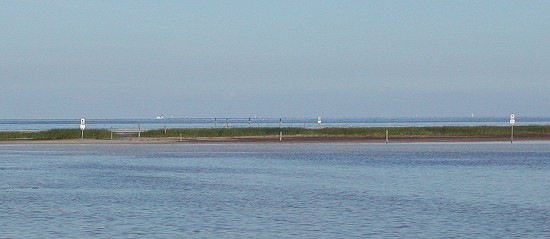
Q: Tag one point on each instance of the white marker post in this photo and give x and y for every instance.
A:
(82, 127)
(512, 123)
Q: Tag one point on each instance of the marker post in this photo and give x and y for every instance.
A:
(512, 135)
(512, 123)
(82, 127)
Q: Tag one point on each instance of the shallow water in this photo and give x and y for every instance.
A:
(145, 124)
(472, 190)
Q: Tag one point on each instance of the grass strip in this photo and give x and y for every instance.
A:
(56, 134)
(355, 131)
(266, 131)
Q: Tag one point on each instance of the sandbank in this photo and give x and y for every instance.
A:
(285, 139)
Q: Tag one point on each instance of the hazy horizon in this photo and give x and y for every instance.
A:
(204, 59)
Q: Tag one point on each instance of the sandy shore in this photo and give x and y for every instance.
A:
(285, 139)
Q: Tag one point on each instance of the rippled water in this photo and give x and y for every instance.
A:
(427, 190)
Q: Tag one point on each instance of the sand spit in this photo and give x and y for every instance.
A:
(285, 139)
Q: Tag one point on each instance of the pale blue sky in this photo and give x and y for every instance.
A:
(139, 59)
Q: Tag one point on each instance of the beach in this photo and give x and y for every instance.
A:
(284, 139)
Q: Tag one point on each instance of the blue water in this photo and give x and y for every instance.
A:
(418, 190)
(42, 124)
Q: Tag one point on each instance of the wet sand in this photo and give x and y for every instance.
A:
(286, 139)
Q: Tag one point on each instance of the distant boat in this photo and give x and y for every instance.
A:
(160, 117)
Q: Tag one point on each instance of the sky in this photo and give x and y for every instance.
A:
(140, 59)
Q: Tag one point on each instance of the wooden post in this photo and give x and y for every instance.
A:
(387, 136)
(512, 135)
(82, 136)
(180, 138)
(280, 136)
(512, 123)
(164, 130)
(139, 130)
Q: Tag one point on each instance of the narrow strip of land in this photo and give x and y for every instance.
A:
(276, 139)
(287, 135)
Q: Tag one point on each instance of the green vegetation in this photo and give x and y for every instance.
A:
(359, 131)
(56, 134)
(244, 132)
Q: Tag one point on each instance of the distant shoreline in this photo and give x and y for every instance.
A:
(277, 139)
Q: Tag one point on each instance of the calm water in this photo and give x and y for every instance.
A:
(427, 190)
(44, 124)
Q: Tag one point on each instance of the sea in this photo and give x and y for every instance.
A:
(276, 190)
(305, 122)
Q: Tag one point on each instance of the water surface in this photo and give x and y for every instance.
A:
(472, 190)
(45, 124)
